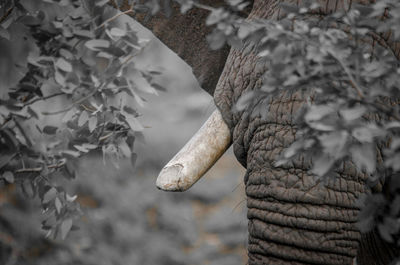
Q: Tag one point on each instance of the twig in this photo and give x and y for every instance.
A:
(352, 80)
(105, 136)
(27, 139)
(6, 119)
(205, 7)
(130, 57)
(130, 10)
(38, 169)
(72, 105)
(44, 98)
(6, 14)
(87, 108)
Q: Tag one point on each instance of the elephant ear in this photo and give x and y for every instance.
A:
(185, 34)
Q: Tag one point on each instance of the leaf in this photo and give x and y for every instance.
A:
(5, 159)
(64, 65)
(353, 114)
(71, 153)
(92, 123)
(83, 118)
(104, 55)
(84, 33)
(334, 143)
(85, 147)
(216, 16)
(384, 232)
(89, 146)
(49, 195)
(322, 165)
(117, 32)
(29, 20)
(50, 130)
(32, 113)
(158, 87)
(129, 110)
(4, 33)
(364, 156)
(245, 100)
(68, 116)
(124, 149)
(60, 79)
(101, 2)
(58, 24)
(70, 198)
(363, 134)
(133, 159)
(316, 113)
(58, 204)
(395, 206)
(97, 44)
(8, 176)
(216, 39)
(81, 148)
(186, 6)
(392, 125)
(66, 54)
(65, 227)
(134, 123)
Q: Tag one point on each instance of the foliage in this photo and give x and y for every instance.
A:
(68, 78)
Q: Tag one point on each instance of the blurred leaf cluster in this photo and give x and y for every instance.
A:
(70, 61)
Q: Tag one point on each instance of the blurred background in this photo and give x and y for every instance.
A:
(126, 219)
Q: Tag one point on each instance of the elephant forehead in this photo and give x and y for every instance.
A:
(242, 74)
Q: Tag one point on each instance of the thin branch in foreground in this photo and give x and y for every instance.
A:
(352, 80)
(39, 169)
(72, 105)
(3, 18)
(127, 12)
(43, 98)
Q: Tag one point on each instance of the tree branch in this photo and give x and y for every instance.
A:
(5, 16)
(347, 70)
(43, 98)
(130, 10)
(72, 105)
(39, 169)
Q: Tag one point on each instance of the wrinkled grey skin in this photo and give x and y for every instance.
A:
(292, 219)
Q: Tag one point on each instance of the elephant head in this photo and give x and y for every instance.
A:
(291, 218)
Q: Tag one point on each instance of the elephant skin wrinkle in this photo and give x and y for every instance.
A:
(197, 156)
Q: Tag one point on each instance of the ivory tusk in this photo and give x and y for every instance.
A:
(197, 156)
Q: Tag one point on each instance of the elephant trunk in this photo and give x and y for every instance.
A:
(294, 218)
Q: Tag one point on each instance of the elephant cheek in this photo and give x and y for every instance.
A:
(292, 218)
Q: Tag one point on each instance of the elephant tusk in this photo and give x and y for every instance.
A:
(197, 156)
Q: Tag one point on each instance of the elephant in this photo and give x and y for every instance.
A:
(291, 220)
